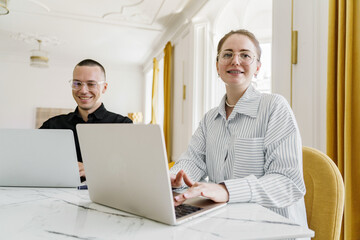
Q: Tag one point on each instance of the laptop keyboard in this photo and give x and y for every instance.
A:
(185, 209)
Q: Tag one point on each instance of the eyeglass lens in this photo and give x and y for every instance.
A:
(245, 57)
(75, 84)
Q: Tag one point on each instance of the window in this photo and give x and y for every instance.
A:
(263, 79)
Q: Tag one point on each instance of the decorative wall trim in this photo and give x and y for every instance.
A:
(43, 114)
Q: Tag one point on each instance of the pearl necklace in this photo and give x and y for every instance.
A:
(227, 104)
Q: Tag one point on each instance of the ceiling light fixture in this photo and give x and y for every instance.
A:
(39, 57)
(3, 7)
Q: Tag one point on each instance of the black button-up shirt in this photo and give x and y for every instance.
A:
(69, 121)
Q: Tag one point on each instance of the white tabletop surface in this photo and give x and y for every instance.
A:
(58, 213)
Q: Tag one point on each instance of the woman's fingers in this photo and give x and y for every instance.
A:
(188, 180)
(215, 192)
(176, 181)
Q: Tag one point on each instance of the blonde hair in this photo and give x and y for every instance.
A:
(244, 32)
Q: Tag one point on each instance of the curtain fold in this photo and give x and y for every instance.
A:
(154, 95)
(167, 99)
(343, 105)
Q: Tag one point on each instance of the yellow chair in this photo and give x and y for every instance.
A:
(325, 194)
(171, 164)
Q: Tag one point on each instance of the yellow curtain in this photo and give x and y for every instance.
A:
(167, 99)
(154, 95)
(343, 105)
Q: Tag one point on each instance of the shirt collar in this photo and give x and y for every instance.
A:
(98, 114)
(248, 104)
(74, 114)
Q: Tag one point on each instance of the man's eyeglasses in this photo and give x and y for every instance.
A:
(91, 85)
(245, 57)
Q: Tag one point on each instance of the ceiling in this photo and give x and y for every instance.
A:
(114, 32)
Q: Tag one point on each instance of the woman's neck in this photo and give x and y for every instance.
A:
(232, 97)
(234, 94)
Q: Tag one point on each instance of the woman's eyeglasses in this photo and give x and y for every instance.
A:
(245, 57)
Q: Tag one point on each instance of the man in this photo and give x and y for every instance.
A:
(88, 84)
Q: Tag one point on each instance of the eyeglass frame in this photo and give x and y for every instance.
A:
(237, 53)
(85, 83)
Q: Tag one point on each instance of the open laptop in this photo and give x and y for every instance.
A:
(38, 158)
(126, 168)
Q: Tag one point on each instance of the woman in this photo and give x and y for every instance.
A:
(249, 147)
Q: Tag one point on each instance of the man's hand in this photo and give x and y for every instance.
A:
(81, 169)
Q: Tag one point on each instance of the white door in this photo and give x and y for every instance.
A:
(304, 83)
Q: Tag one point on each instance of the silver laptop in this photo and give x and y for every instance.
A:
(38, 158)
(126, 168)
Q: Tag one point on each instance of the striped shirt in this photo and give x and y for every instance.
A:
(256, 153)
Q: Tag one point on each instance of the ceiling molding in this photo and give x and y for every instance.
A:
(141, 31)
(174, 27)
(88, 19)
(40, 4)
(121, 12)
(136, 13)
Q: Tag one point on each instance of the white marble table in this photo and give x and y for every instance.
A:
(58, 213)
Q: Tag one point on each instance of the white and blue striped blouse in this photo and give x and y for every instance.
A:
(256, 153)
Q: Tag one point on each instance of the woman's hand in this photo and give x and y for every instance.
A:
(177, 180)
(215, 192)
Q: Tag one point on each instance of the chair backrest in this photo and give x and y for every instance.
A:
(325, 194)
(171, 164)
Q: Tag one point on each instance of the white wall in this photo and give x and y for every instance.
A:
(24, 88)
